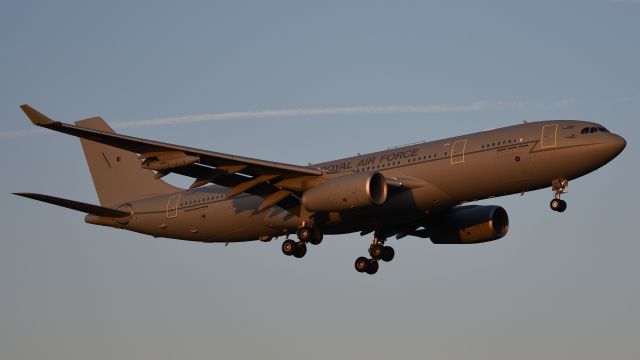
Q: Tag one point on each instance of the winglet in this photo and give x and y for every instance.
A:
(35, 116)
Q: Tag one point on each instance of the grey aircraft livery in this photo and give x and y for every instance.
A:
(417, 190)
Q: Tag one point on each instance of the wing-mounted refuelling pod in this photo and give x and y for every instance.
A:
(166, 160)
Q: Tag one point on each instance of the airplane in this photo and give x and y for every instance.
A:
(421, 190)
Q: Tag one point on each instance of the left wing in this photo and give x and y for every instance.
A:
(275, 182)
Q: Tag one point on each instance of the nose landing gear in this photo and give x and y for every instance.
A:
(377, 251)
(559, 187)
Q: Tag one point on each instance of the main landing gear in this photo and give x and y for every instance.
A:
(559, 187)
(377, 251)
(306, 234)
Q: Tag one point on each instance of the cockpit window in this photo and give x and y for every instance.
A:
(591, 130)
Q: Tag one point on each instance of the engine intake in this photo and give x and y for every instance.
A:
(347, 192)
(470, 225)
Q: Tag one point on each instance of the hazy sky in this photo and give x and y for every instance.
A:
(306, 82)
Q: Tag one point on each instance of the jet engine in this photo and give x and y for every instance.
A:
(469, 225)
(347, 192)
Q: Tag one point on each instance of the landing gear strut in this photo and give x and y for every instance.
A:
(377, 251)
(559, 187)
(306, 234)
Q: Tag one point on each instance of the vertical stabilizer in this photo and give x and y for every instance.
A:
(117, 175)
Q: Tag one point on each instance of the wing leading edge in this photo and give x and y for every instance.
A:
(275, 182)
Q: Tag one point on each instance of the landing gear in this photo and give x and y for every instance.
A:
(310, 234)
(370, 266)
(558, 205)
(559, 187)
(378, 251)
(301, 250)
(306, 234)
(297, 249)
(288, 247)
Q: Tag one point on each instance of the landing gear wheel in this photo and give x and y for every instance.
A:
(388, 254)
(563, 206)
(305, 233)
(376, 251)
(362, 263)
(559, 187)
(558, 205)
(373, 267)
(300, 250)
(317, 238)
(288, 247)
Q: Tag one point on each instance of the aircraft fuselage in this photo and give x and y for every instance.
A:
(436, 175)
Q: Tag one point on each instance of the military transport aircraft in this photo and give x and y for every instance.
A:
(416, 190)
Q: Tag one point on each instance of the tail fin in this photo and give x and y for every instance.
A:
(117, 175)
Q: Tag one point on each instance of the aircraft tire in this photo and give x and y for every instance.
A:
(305, 233)
(316, 239)
(376, 251)
(388, 254)
(558, 205)
(300, 250)
(563, 206)
(373, 267)
(362, 263)
(288, 247)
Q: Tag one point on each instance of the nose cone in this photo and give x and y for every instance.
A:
(619, 143)
(616, 144)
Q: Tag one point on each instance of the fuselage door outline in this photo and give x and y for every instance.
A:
(549, 136)
(457, 151)
(172, 206)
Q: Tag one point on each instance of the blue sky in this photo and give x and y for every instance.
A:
(306, 82)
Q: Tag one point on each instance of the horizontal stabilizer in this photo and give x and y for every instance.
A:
(75, 205)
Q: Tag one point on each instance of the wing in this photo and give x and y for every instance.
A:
(277, 183)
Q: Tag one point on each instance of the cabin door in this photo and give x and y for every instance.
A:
(172, 206)
(549, 136)
(457, 151)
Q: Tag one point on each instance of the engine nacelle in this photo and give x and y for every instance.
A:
(470, 225)
(347, 192)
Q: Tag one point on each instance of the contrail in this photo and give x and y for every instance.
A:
(301, 112)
